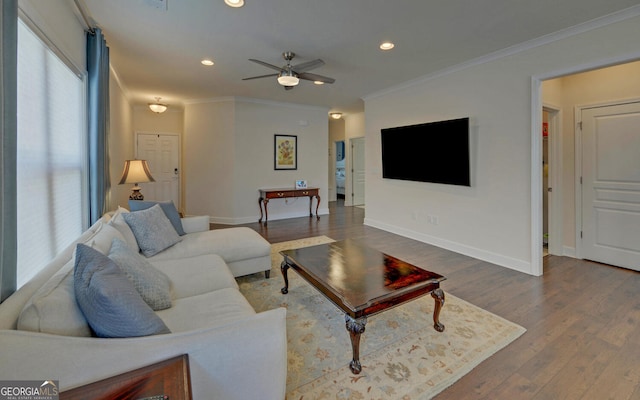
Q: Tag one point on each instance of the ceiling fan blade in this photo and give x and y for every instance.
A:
(315, 77)
(309, 65)
(266, 64)
(258, 77)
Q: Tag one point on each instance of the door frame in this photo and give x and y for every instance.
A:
(135, 155)
(536, 146)
(578, 163)
(555, 216)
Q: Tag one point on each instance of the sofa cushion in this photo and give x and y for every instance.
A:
(108, 299)
(211, 309)
(118, 222)
(192, 276)
(232, 244)
(152, 229)
(53, 308)
(167, 206)
(153, 285)
(101, 241)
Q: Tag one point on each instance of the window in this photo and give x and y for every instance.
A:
(51, 182)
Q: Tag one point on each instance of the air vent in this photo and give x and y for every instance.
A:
(159, 4)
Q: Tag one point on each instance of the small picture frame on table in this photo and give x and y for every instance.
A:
(301, 184)
(285, 148)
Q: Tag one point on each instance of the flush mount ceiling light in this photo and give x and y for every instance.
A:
(234, 3)
(288, 78)
(206, 62)
(336, 115)
(157, 107)
(387, 46)
(318, 82)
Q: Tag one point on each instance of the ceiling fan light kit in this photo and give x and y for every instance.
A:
(234, 3)
(288, 78)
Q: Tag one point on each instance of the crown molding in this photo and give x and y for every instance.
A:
(240, 99)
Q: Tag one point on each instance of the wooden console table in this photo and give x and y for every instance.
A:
(283, 193)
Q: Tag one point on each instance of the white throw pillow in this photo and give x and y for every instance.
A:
(118, 222)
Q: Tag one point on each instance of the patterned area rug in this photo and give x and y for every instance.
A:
(402, 356)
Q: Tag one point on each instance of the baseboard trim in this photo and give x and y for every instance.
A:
(484, 255)
(569, 251)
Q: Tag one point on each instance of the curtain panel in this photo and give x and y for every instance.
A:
(8, 147)
(98, 123)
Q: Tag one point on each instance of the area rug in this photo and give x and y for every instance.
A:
(402, 356)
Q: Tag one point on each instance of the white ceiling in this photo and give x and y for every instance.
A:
(157, 52)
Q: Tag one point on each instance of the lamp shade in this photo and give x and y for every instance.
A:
(136, 171)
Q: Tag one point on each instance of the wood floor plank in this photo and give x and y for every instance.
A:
(582, 318)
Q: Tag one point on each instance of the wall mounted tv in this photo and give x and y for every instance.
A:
(435, 152)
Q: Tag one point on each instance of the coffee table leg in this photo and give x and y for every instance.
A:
(355, 328)
(438, 296)
(283, 268)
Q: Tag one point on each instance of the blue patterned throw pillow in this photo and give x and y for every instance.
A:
(168, 207)
(153, 285)
(152, 229)
(109, 301)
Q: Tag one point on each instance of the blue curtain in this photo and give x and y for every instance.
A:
(8, 143)
(98, 116)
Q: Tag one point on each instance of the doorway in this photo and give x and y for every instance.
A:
(340, 169)
(358, 171)
(569, 91)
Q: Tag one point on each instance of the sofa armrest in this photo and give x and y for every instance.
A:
(198, 223)
(246, 359)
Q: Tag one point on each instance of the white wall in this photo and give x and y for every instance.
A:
(228, 151)
(120, 141)
(491, 220)
(209, 154)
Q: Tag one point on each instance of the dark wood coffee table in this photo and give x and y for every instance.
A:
(362, 282)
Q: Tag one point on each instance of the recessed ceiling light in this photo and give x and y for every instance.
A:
(387, 46)
(206, 62)
(234, 3)
(318, 82)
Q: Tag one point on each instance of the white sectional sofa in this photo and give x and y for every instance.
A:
(234, 352)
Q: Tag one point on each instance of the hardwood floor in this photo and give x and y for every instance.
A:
(582, 318)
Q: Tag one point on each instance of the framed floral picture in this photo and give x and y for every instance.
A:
(285, 152)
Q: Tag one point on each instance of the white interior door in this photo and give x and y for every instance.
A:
(162, 153)
(357, 169)
(611, 184)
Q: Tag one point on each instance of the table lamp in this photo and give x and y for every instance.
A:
(136, 171)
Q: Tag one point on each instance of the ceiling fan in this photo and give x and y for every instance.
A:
(290, 75)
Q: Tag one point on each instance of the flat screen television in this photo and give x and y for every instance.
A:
(435, 152)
